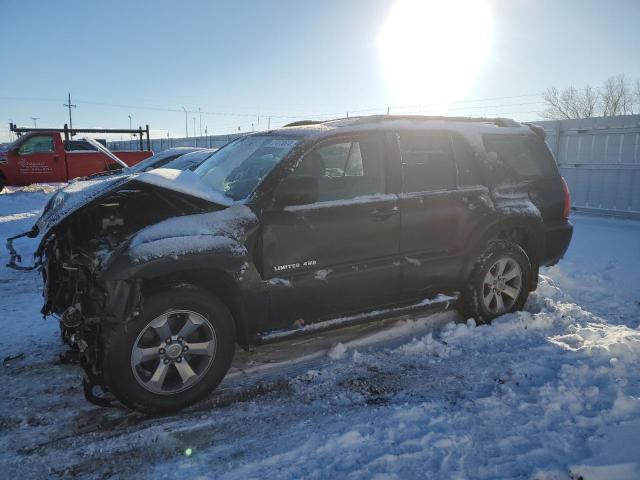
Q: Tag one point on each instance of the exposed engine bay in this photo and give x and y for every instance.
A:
(75, 252)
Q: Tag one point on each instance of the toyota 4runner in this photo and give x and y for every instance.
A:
(156, 277)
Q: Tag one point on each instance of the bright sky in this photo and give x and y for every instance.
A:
(242, 62)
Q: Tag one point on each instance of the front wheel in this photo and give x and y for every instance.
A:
(499, 282)
(173, 355)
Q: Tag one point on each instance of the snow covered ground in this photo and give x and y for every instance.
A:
(549, 393)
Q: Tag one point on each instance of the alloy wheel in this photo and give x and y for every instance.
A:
(502, 285)
(173, 352)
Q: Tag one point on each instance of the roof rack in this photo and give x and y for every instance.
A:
(500, 122)
(70, 132)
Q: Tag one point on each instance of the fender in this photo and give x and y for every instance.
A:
(234, 279)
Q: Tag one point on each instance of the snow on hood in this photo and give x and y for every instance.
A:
(72, 197)
(194, 233)
(80, 192)
(184, 181)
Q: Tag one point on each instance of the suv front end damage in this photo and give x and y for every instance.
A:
(76, 252)
(85, 306)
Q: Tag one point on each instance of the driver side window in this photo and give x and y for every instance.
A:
(37, 144)
(346, 169)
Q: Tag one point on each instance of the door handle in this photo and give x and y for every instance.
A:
(384, 213)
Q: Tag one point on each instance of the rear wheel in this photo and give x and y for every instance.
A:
(3, 182)
(499, 282)
(173, 355)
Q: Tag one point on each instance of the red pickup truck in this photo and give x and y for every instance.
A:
(43, 157)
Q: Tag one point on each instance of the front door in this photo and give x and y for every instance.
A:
(337, 255)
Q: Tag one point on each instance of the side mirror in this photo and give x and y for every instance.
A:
(296, 190)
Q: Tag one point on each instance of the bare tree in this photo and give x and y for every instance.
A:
(617, 97)
(570, 103)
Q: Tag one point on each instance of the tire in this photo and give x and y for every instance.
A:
(151, 378)
(3, 182)
(488, 282)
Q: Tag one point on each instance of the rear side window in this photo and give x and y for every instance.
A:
(427, 161)
(524, 155)
(347, 169)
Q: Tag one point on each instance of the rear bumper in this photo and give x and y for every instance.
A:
(556, 242)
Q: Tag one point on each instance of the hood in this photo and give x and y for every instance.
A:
(73, 197)
(81, 192)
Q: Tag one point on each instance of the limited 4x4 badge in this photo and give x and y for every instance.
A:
(293, 266)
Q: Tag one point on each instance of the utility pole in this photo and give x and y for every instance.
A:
(269, 123)
(70, 105)
(194, 126)
(130, 128)
(186, 122)
(200, 113)
(35, 121)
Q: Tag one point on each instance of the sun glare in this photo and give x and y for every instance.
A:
(432, 49)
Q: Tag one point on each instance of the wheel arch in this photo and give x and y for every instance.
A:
(525, 231)
(214, 281)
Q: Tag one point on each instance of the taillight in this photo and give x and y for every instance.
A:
(567, 200)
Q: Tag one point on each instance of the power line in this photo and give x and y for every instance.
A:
(250, 115)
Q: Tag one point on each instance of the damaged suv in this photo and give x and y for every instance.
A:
(156, 277)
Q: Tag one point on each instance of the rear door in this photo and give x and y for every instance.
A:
(438, 209)
(339, 254)
(38, 161)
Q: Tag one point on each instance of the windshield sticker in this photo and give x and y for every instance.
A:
(280, 143)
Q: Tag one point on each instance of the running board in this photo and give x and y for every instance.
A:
(440, 302)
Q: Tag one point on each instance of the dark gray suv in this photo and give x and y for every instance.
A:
(156, 277)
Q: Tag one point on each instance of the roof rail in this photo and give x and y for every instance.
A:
(302, 123)
(500, 122)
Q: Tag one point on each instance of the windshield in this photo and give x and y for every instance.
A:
(5, 147)
(237, 169)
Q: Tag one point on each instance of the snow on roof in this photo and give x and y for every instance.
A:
(184, 181)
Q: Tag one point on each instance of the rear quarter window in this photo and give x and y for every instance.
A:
(523, 156)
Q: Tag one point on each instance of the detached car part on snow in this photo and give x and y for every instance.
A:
(155, 277)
